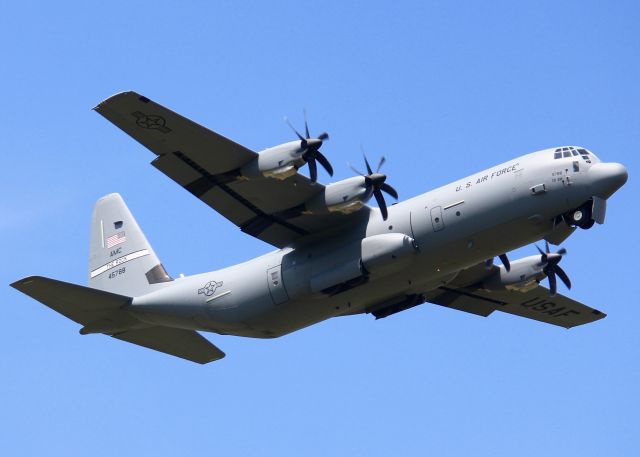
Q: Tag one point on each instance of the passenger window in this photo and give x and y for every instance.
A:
(566, 153)
(557, 155)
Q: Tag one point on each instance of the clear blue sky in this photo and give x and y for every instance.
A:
(443, 89)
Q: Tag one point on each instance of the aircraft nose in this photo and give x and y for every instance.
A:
(606, 178)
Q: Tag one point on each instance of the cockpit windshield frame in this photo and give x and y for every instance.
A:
(570, 151)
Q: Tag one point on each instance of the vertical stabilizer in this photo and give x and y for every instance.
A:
(121, 259)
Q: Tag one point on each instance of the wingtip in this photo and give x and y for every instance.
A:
(117, 96)
(24, 282)
(214, 359)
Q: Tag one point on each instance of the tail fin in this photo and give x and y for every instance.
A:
(121, 259)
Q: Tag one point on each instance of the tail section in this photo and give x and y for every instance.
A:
(122, 265)
(81, 304)
(105, 312)
(121, 259)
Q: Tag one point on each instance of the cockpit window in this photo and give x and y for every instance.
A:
(570, 151)
(586, 155)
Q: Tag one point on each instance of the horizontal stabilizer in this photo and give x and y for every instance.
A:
(186, 344)
(101, 312)
(83, 305)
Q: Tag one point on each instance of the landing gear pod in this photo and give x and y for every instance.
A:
(387, 253)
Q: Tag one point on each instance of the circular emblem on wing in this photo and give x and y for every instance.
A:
(151, 121)
(209, 288)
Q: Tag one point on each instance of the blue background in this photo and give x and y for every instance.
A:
(443, 89)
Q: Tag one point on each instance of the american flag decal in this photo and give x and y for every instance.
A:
(116, 239)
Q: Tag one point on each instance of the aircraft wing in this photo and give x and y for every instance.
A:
(203, 162)
(466, 294)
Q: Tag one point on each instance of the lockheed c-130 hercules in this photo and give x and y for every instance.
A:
(336, 255)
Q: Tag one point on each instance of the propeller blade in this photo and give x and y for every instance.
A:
(546, 246)
(306, 125)
(540, 251)
(563, 276)
(562, 251)
(505, 261)
(296, 132)
(323, 136)
(390, 190)
(313, 169)
(381, 203)
(369, 170)
(488, 263)
(324, 162)
(553, 287)
(356, 171)
(376, 182)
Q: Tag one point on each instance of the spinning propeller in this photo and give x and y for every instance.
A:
(549, 261)
(375, 182)
(311, 148)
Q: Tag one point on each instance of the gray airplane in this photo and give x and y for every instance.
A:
(336, 255)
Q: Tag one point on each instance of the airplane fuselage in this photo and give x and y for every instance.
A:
(337, 256)
(444, 231)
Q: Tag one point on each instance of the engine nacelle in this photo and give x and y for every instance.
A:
(278, 162)
(344, 196)
(524, 275)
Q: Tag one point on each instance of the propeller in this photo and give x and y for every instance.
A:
(550, 260)
(375, 182)
(311, 148)
(503, 258)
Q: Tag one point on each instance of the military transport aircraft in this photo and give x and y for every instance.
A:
(336, 255)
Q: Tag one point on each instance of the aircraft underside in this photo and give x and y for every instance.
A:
(336, 256)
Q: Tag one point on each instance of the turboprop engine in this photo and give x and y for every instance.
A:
(284, 160)
(351, 194)
(344, 196)
(278, 162)
(525, 274)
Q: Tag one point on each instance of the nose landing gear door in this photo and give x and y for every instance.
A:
(276, 286)
(436, 218)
